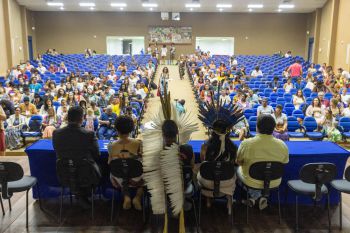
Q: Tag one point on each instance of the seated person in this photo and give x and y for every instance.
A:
(13, 131)
(126, 147)
(263, 147)
(241, 129)
(107, 122)
(50, 123)
(264, 108)
(281, 130)
(27, 109)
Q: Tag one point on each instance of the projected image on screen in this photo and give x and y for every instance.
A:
(177, 35)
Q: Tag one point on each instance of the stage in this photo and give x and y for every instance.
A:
(42, 161)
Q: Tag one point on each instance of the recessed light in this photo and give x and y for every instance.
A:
(223, 5)
(91, 8)
(286, 6)
(279, 10)
(250, 9)
(221, 9)
(191, 9)
(149, 4)
(255, 6)
(62, 8)
(87, 4)
(192, 5)
(55, 4)
(151, 9)
(121, 8)
(118, 4)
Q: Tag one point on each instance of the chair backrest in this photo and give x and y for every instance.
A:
(318, 174)
(252, 123)
(345, 123)
(76, 173)
(126, 169)
(266, 171)
(347, 174)
(35, 123)
(248, 113)
(9, 171)
(217, 171)
(298, 114)
(307, 92)
(310, 124)
(293, 124)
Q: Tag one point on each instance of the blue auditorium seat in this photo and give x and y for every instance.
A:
(298, 114)
(252, 125)
(310, 127)
(344, 126)
(294, 125)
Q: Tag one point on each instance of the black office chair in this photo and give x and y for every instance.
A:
(342, 186)
(77, 174)
(313, 177)
(12, 180)
(216, 171)
(266, 172)
(189, 189)
(126, 169)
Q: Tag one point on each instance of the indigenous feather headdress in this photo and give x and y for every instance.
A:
(220, 118)
(162, 167)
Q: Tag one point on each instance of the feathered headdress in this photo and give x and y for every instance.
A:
(220, 118)
(162, 167)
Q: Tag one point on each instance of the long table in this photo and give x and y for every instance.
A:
(42, 161)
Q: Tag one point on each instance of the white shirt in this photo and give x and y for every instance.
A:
(42, 69)
(164, 51)
(287, 55)
(225, 100)
(346, 74)
(346, 112)
(288, 87)
(345, 98)
(310, 85)
(256, 73)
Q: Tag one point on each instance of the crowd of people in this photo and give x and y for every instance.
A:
(233, 84)
(25, 93)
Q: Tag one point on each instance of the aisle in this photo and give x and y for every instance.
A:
(179, 89)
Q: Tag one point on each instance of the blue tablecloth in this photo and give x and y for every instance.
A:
(42, 161)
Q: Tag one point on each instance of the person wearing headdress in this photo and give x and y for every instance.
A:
(220, 121)
(163, 159)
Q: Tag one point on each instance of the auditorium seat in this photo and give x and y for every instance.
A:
(310, 127)
(344, 126)
(252, 125)
(298, 114)
(294, 125)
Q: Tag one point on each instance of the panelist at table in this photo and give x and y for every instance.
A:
(75, 142)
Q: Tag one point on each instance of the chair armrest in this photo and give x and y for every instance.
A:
(340, 128)
(303, 128)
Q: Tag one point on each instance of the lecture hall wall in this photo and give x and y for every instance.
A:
(72, 32)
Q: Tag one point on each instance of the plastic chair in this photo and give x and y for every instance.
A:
(344, 126)
(297, 113)
(216, 171)
(12, 180)
(280, 92)
(34, 128)
(289, 108)
(307, 92)
(328, 96)
(294, 125)
(281, 101)
(312, 182)
(248, 113)
(310, 125)
(273, 97)
(75, 174)
(265, 172)
(125, 169)
(288, 97)
(252, 125)
(342, 186)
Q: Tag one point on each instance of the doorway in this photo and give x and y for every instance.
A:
(30, 47)
(310, 49)
(216, 45)
(125, 45)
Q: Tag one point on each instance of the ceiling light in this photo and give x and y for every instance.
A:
(88, 4)
(221, 9)
(286, 6)
(118, 4)
(191, 9)
(151, 9)
(149, 4)
(121, 8)
(62, 8)
(250, 9)
(279, 10)
(255, 6)
(91, 8)
(223, 5)
(192, 5)
(55, 4)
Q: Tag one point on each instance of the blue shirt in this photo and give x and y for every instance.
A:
(111, 118)
(299, 86)
(35, 87)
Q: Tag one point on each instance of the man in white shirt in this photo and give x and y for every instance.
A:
(42, 69)
(256, 72)
(224, 98)
(345, 74)
(112, 76)
(265, 109)
(288, 54)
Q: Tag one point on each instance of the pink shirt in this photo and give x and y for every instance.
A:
(295, 70)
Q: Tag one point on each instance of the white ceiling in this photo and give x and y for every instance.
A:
(301, 6)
